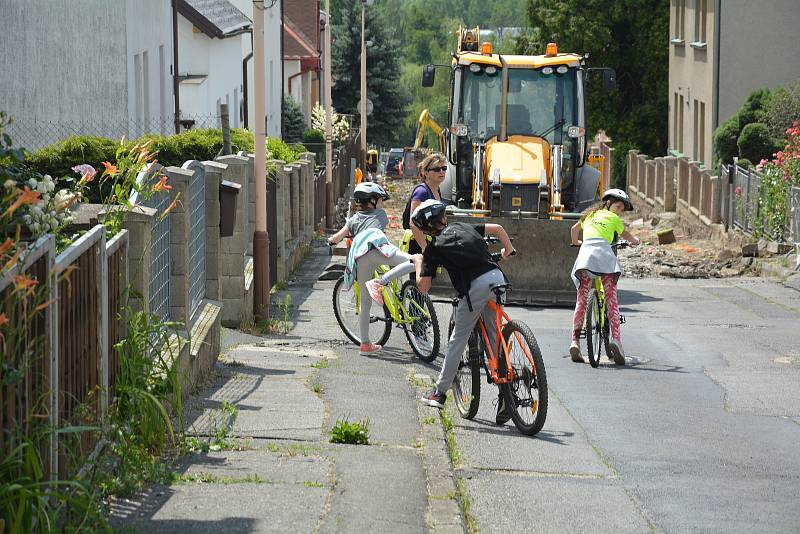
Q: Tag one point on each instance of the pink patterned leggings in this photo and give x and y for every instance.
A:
(610, 287)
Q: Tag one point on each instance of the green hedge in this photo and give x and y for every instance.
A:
(58, 159)
(755, 142)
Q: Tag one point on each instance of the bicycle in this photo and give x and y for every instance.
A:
(404, 306)
(519, 373)
(596, 326)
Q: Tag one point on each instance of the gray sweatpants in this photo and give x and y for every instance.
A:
(479, 294)
(366, 269)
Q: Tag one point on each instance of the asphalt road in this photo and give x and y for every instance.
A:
(699, 432)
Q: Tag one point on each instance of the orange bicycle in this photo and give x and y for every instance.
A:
(514, 364)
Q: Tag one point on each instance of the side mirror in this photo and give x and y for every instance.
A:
(609, 80)
(428, 75)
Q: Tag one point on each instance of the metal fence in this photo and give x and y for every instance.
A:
(794, 215)
(744, 210)
(159, 282)
(117, 269)
(197, 233)
(34, 134)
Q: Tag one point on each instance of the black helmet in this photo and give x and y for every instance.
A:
(428, 215)
(369, 190)
(618, 194)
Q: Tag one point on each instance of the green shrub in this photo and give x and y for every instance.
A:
(755, 142)
(293, 121)
(744, 163)
(753, 109)
(312, 136)
(782, 110)
(278, 149)
(725, 141)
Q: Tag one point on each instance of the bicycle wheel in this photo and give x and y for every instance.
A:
(527, 393)
(346, 310)
(423, 330)
(467, 383)
(594, 334)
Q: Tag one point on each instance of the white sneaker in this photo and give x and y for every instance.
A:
(616, 351)
(575, 352)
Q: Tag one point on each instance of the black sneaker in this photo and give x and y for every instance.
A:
(434, 398)
(503, 410)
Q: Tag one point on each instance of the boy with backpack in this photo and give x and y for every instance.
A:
(461, 249)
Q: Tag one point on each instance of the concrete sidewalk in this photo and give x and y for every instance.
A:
(274, 469)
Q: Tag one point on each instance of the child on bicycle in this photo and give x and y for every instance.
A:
(461, 249)
(601, 225)
(370, 249)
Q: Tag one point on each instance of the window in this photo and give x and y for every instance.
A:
(145, 92)
(162, 89)
(700, 10)
(679, 26)
(675, 110)
(235, 111)
(695, 140)
(701, 130)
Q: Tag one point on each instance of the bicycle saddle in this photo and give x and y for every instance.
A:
(501, 287)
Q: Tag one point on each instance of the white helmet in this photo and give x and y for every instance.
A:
(619, 194)
(367, 190)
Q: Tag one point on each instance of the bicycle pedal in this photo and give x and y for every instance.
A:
(621, 319)
(582, 335)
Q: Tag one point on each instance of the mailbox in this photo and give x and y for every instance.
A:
(227, 207)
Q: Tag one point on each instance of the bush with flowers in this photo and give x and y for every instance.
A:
(340, 126)
(777, 178)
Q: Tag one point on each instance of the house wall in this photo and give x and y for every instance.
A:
(758, 48)
(220, 61)
(272, 64)
(691, 79)
(52, 72)
(149, 58)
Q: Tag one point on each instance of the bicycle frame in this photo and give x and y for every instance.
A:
(601, 297)
(392, 300)
(501, 318)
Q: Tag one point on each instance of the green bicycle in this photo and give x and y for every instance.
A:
(404, 306)
(596, 326)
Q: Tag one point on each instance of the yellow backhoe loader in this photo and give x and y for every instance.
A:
(516, 144)
(426, 123)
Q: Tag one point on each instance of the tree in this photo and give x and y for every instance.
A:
(615, 34)
(383, 72)
(293, 121)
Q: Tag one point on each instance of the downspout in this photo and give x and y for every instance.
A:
(283, 95)
(245, 95)
(175, 78)
(244, 81)
(715, 82)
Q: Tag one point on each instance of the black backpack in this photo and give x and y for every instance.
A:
(407, 211)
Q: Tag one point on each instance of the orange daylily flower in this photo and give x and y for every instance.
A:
(169, 208)
(44, 305)
(25, 283)
(110, 168)
(12, 260)
(26, 196)
(3, 319)
(6, 245)
(161, 185)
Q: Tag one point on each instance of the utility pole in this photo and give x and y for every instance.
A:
(260, 237)
(328, 120)
(363, 91)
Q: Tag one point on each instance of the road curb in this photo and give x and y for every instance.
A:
(443, 515)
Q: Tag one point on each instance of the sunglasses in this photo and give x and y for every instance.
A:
(437, 169)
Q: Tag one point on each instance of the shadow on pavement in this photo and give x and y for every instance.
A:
(489, 427)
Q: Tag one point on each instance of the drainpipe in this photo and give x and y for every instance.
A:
(247, 58)
(175, 78)
(715, 82)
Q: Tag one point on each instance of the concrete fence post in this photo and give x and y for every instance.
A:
(670, 168)
(650, 181)
(138, 223)
(180, 305)
(233, 289)
(282, 211)
(213, 178)
(632, 169)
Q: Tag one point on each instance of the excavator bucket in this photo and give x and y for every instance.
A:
(540, 272)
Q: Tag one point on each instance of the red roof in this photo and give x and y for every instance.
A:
(301, 29)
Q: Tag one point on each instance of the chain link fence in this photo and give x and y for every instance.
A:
(34, 134)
